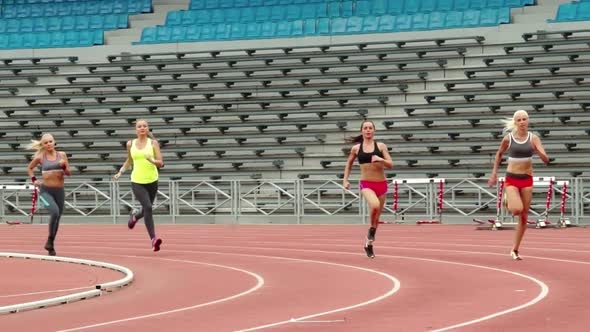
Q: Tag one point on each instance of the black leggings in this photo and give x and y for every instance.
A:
(53, 200)
(146, 195)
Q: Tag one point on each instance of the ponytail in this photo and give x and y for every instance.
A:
(358, 138)
(37, 145)
(354, 139)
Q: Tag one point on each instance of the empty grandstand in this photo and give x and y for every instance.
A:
(246, 94)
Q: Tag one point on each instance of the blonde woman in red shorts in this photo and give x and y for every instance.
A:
(520, 145)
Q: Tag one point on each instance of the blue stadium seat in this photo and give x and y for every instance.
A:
(437, 20)
(193, 32)
(420, 21)
(163, 34)
(347, 9)
(387, 23)
(395, 7)
(461, 5)
(120, 7)
(217, 16)
(174, 17)
(82, 22)
(293, 12)
(188, 17)
(379, 7)
(54, 24)
(338, 25)
(148, 35)
(403, 22)
(178, 33)
(232, 15)
(278, 13)
(40, 24)
(370, 24)
(488, 16)
(240, 3)
(427, 6)
(29, 40)
(454, 19)
(362, 8)
(253, 30)
(262, 14)
(226, 4)
(268, 30)
(284, 29)
(68, 22)
(297, 28)
(411, 7)
(310, 27)
(13, 25)
(445, 5)
(354, 25)
(210, 4)
(323, 26)
(238, 31)
(207, 32)
(471, 18)
(222, 31)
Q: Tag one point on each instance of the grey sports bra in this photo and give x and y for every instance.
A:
(50, 165)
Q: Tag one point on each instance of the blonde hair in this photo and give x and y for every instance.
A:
(510, 124)
(149, 133)
(38, 144)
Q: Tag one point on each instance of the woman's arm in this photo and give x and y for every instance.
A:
(348, 167)
(157, 160)
(387, 162)
(30, 171)
(128, 162)
(538, 147)
(503, 147)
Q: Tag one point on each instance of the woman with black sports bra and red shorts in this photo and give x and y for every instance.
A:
(520, 145)
(373, 158)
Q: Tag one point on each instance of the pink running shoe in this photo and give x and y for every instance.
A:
(156, 242)
(132, 221)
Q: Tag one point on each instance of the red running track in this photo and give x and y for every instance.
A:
(304, 278)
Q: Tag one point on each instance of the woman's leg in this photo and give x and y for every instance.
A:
(526, 195)
(142, 194)
(53, 201)
(515, 206)
(375, 205)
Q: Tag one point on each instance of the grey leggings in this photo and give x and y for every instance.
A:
(53, 200)
(146, 195)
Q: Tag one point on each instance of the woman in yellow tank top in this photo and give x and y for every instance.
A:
(143, 154)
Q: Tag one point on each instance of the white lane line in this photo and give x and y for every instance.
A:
(259, 283)
(395, 288)
(47, 292)
(542, 294)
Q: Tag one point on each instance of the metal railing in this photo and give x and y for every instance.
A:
(294, 201)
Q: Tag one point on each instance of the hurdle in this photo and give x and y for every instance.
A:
(562, 222)
(496, 223)
(542, 222)
(434, 212)
(34, 196)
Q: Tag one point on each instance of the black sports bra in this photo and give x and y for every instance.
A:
(365, 157)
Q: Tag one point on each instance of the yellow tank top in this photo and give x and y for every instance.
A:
(143, 171)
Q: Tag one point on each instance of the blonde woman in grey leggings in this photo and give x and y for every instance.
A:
(54, 167)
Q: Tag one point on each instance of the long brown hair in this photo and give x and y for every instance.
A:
(358, 138)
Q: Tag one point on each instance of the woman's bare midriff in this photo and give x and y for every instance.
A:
(372, 172)
(520, 167)
(53, 179)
